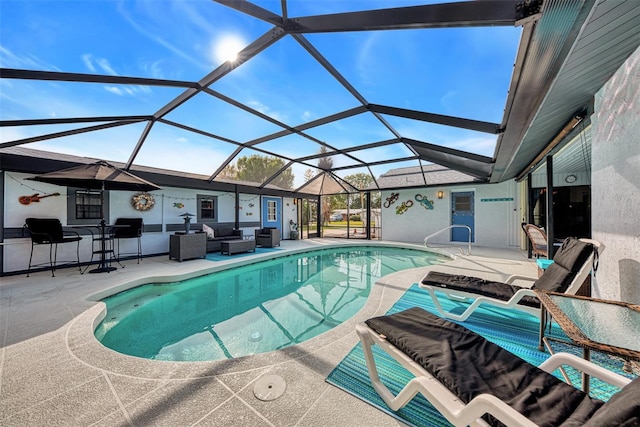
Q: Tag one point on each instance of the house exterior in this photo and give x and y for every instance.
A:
(162, 216)
(494, 217)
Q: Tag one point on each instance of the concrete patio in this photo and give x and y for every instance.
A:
(53, 372)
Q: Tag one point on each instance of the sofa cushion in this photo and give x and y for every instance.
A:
(210, 232)
(224, 232)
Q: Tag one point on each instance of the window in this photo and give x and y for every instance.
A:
(463, 203)
(83, 206)
(87, 204)
(271, 211)
(208, 208)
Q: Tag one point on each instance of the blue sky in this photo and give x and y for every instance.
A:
(460, 72)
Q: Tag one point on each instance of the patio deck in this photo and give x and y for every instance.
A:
(54, 372)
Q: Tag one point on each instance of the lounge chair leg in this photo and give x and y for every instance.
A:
(394, 402)
(30, 259)
(53, 256)
(78, 256)
(117, 253)
(446, 314)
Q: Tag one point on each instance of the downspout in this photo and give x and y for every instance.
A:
(550, 236)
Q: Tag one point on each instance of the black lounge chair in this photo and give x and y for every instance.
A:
(472, 381)
(573, 262)
(128, 228)
(49, 231)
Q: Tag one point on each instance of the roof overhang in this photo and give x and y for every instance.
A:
(573, 50)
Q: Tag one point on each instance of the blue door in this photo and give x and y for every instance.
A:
(462, 214)
(272, 213)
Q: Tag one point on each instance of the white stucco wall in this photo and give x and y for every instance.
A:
(497, 222)
(616, 183)
(170, 203)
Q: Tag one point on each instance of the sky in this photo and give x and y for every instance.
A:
(462, 72)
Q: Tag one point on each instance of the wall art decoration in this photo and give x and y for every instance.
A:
(424, 202)
(27, 200)
(391, 199)
(178, 205)
(143, 201)
(404, 207)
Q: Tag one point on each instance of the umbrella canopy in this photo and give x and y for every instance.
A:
(97, 176)
(327, 184)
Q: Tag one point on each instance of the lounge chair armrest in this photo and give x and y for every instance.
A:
(515, 277)
(562, 359)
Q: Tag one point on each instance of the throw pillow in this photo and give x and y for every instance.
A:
(209, 231)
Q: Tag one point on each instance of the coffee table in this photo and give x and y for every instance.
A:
(231, 247)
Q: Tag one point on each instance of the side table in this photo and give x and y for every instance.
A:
(187, 246)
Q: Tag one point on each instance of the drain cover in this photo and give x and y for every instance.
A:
(269, 387)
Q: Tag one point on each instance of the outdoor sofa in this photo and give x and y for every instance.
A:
(221, 234)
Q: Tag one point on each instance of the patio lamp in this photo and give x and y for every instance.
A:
(440, 194)
(187, 221)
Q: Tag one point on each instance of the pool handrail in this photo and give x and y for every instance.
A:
(426, 239)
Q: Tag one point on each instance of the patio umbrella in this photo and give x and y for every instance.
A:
(101, 176)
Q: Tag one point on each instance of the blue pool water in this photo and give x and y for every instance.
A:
(251, 309)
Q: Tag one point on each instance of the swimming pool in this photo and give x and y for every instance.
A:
(250, 309)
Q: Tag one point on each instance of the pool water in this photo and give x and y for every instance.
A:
(250, 309)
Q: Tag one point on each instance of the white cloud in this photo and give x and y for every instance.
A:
(11, 60)
(147, 30)
(127, 90)
(366, 59)
(114, 90)
(154, 69)
(257, 105)
(104, 64)
(87, 59)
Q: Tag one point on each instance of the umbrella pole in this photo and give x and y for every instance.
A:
(103, 267)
